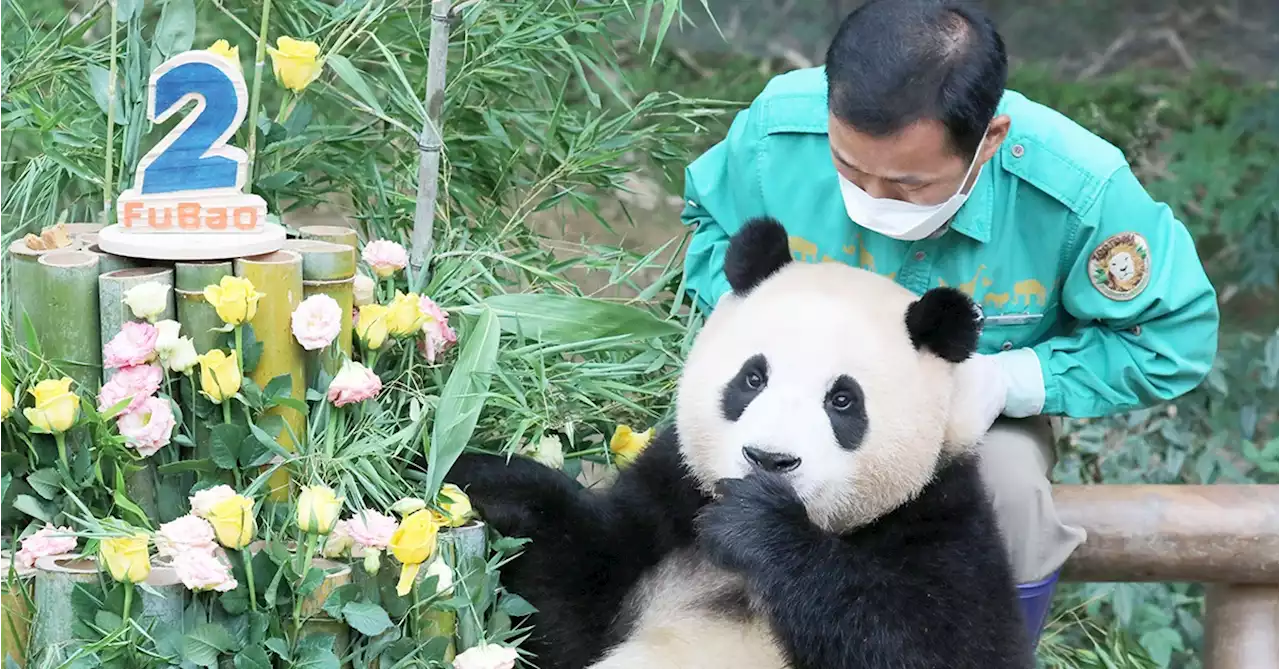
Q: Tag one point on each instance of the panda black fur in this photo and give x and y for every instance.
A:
(719, 547)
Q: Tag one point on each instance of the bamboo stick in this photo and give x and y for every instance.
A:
(338, 234)
(15, 614)
(65, 315)
(458, 546)
(24, 263)
(328, 269)
(430, 142)
(107, 262)
(198, 319)
(278, 275)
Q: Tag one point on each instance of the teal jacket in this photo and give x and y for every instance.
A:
(1094, 297)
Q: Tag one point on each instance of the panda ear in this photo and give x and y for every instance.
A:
(755, 252)
(945, 322)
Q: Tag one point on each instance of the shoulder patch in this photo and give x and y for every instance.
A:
(1120, 267)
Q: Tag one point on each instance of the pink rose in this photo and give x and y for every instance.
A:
(486, 656)
(139, 382)
(184, 535)
(439, 336)
(43, 543)
(371, 529)
(317, 321)
(148, 429)
(206, 499)
(133, 345)
(386, 258)
(354, 383)
(200, 571)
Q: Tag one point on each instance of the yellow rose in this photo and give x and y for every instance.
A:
(295, 63)
(224, 49)
(404, 315)
(56, 409)
(219, 375)
(127, 558)
(413, 542)
(6, 403)
(627, 444)
(455, 504)
(235, 299)
(371, 326)
(232, 520)
(318, 509)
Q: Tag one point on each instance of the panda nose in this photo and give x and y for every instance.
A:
(770, 461)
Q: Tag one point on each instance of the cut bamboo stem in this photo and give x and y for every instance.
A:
(64, 312)
(15, 614)
(107, 262)
(430, 143)
(458, 546)
(278, 276)
(198, 319)
(24, 263)
(328, 269)
(338, 234)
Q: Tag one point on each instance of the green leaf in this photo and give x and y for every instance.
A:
(203, 645)
(279, 647)
(253, 657)
(564, 319)
(176, 29)
(281, 386)
(98, 79)
(339, 598)
(181, 466)
(46, 482)
(225, 440)
(32, 507)
(462, 399)
(352, 77)
(366, 617)
(516, 606)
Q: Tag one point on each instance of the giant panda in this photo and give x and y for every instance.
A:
(815, 504)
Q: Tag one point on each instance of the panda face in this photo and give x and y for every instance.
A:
(816, 374)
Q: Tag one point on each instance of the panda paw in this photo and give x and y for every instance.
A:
(749, 521)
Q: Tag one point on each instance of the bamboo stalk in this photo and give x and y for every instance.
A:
(279, 276)
(458, 546)
(107, 262)
(430, 142)
(338, 234)
(198, 319)
(24, 263)
(15, 614)
(328, 269)
(254, 100)
(64, 312)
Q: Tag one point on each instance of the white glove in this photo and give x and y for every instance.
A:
(981, 392)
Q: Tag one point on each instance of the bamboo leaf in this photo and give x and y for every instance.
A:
(462, 399)
(352, 77)
(564, 319)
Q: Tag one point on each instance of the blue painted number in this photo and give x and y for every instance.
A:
(196, 158)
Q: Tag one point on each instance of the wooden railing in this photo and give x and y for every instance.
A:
(1224, 536)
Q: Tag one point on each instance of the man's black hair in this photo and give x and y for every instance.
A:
(895, 62)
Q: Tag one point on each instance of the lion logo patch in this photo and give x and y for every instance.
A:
(1120, 267)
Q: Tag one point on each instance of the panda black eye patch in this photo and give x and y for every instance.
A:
(750, 380)
(846, 409)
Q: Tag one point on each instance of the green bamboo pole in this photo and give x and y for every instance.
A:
(198, 319)
(278, 276)
(338, 234)
(142, 485)
(24, 263)
(328, 269)
(65, 315)
(15, 614)
(431, 142)
(107, 262)
(458, 546)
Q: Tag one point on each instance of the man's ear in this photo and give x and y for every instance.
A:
(756, 252)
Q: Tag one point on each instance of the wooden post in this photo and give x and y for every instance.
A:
(1240, 627)
(328, 269)
(64, 312)
(430, 142)
(278, 275)
(338, 234)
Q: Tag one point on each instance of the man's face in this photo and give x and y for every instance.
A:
(915, 165)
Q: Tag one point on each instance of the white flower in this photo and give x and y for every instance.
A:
(407, 505)
(363, 287)
(183, 358)
(486, 656)
(317, 321)
(147, 300)
(548, 451)
(166, 337)
(443, 574)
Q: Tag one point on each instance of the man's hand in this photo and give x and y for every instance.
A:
(981, 390)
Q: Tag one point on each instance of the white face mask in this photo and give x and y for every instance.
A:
(903, 220)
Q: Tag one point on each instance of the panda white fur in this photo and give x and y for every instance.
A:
(815, 505)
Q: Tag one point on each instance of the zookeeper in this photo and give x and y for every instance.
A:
(906, 155)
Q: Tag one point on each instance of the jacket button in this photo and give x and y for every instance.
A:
(920, 256)
(1018, 150)
(1136, 330)
(1007, 346)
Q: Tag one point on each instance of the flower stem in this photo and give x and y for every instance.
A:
(61, 438)
(303, 571)
(226, 410)
(330, 429)
(255, 91)
(240, 349)
(248, 574)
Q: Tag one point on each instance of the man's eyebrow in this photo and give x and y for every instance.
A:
(906, 179)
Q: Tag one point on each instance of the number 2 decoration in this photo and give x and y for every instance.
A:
(195, 155)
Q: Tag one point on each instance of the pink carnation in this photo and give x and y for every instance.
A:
(386, 258)
(354, 383)
(139, 382)
(148, 429)
(135, 344)
(201, 571)
(316, 322)
(438, 335)
(371, 529)
(189, 533)
(43, 543)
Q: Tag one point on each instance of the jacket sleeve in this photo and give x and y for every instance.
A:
(1129, 350)
(722, 191)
